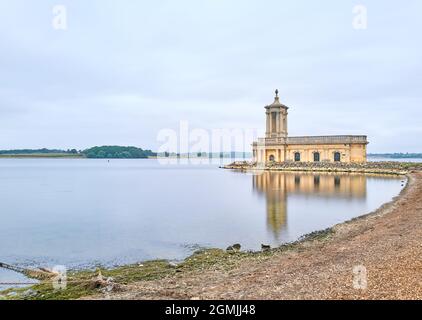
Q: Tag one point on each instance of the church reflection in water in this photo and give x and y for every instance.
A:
(278, 186)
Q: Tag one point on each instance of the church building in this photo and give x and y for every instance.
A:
(278, 146)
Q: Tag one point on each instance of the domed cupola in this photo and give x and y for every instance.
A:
(276, 114)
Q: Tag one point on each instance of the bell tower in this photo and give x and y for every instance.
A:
(276, 115)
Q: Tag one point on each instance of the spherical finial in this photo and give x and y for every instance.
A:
(276, 93)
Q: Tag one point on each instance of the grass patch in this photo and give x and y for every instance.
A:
(317, 235)
(83, 283)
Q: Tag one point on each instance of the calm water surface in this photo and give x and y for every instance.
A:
(82, 212)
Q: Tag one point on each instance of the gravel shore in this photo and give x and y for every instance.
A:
(377, 256)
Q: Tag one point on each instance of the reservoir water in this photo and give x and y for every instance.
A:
(82, 212)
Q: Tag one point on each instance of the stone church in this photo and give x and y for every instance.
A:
(278, 146)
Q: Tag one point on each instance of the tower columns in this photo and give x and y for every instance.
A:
(276, 115)
(268, 125)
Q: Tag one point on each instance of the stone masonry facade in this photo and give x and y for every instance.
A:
(277, 146)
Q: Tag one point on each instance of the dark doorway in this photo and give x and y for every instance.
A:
(316, 156)
(297, 156)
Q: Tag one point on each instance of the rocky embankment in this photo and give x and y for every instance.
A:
(383, 167)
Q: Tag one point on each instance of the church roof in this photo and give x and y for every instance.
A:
(276, 102)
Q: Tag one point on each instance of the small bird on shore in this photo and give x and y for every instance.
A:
(265, 247)
(235, 247)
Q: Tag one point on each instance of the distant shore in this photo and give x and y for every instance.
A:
(122, 152)
(41, 155)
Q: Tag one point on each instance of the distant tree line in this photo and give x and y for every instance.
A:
(104, 152)
(117, 152)
(39, 151)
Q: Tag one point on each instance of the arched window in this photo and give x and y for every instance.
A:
(273, 122)
(336, 156)
(272, 158)
(297, 156)
(316, 156)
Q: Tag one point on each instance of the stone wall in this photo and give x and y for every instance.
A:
(367, 167)
(350, 148)
(324, 152)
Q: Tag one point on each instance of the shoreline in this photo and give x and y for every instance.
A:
(382, 167)
(410, 160)
(334, 171)
(385, 241)
(247, 276)
(161, 279)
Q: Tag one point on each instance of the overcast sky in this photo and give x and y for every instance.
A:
(123, 70)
